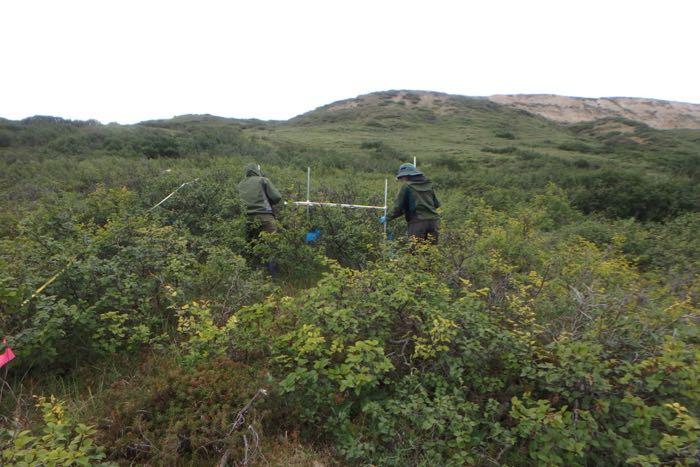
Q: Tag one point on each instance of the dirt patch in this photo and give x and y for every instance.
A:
(655, 113)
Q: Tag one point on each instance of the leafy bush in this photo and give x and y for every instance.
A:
(577, 146)
(382, 150)
(529, 155)
(6, 139)
(449, 163)
(499, 150)
(112, 296)
(398, 368)
(204, 339)
(631, 194)
(60, 442)
(287, 249)
(585, 164)
(152, 145)
(504, 135)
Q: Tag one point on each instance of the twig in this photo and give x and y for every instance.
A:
(544, 280)
(256, 440)
(245, 453)
(240, 418)
(237, 423)
(224, 458)
(4, 382)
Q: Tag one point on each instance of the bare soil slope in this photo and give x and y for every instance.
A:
(655, 113)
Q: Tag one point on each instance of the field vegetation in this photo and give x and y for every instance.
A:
(556, 323)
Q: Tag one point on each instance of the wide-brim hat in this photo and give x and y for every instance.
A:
(407, 170)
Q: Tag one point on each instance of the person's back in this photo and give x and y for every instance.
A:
(416, 200)
(257, 192)
(258, 195)
(421, 202)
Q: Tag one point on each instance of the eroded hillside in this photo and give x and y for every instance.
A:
(654, 112)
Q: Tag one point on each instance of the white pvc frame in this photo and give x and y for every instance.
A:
(308, 203)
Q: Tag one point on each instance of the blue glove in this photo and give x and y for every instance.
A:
(313, 235)
(382, 219)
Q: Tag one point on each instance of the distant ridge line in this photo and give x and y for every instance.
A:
(657, 113)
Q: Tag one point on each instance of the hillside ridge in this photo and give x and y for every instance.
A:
(656, 113)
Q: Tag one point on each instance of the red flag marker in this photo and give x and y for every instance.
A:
(7, 355)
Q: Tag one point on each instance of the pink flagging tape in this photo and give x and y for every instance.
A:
(6, 356)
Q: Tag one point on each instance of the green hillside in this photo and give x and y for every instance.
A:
(556, 323)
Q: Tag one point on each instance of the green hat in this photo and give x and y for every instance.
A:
(407, 170)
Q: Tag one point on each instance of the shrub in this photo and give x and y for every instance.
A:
(382, 150)
(227, 279)
(585, 164)
(450, 163)
(577, 146)
(529, 155)
(294, 259)
(61, 441)
(504, 135)
(411, 362)
(499, 150)
(6, 139)
(152, 145)
(631, 194)
(170, 414)
(204, 338)
(111, 296)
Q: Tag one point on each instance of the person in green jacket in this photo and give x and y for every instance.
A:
(417, 202)
(258, 195)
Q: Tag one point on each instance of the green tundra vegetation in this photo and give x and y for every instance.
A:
(556, 323)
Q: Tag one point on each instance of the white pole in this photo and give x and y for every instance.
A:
(386, 190)
(308, 184)
(337, 205)
(308, 190)
(176, 190)
(414, 162)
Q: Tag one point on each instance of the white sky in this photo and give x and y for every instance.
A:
(126, 61)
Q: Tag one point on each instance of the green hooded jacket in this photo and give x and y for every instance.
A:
(416, 200)
(257, 192)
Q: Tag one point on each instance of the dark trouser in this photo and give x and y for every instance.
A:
(256, 223)
(424, 230)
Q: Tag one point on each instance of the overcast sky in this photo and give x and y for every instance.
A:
(128, 61)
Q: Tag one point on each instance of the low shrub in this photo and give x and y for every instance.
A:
(577, 146)
(60, 441)
(499, 150)
(170, 413)
(413, 362)
(504, 135)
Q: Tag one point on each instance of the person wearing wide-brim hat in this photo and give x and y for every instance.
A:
(417, 202)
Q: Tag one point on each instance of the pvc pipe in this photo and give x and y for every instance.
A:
(308, 190)
(308, 183)
(176, 190)
(339, 205)
(386, 191)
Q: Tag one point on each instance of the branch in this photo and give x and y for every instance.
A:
(237, 424)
